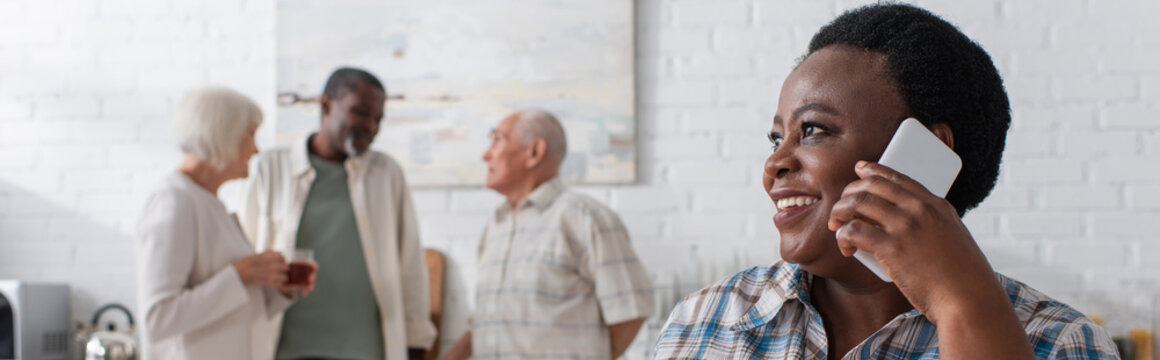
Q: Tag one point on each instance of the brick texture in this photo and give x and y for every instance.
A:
(87, 87)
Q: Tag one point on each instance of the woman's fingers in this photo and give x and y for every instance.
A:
(859, 234)
(866, 169)
(309, 287)
(265, 269)
(865, 206)
(278, 278)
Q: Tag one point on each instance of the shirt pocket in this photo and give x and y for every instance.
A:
(552, 275)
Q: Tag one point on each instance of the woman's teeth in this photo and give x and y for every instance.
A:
(795, 201)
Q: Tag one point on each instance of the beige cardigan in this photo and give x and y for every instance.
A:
(272, 206)
(193, 302)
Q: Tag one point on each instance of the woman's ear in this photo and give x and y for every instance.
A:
(537, 152)
(944, 133)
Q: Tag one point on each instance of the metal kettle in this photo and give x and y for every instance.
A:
(111, 344)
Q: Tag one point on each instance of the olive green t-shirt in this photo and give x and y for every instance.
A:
(340, 319)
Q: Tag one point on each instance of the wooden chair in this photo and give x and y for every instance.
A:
(435, 275)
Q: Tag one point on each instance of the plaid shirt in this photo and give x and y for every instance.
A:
(765, 312)
(553, 276)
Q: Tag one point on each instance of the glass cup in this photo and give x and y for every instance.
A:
(301, 266)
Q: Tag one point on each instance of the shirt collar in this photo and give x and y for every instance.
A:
(540, 198)
(300, 158)
(544, 194)
(184, 182)
(788, 283)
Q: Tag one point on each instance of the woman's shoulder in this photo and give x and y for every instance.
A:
(728, 299)
(177, 194)
(1031, 304)
(711, 315)
(172, 190)
(1054, 327)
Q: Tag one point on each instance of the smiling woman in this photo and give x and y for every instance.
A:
(865, 72)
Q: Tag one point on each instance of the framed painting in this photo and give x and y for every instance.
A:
(454, 68)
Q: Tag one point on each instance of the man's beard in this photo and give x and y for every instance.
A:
(348, 145)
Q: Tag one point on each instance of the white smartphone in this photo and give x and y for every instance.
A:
(916, 152)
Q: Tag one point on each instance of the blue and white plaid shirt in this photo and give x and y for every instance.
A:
(766, 312)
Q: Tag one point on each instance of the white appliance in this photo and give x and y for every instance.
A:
(34, 320)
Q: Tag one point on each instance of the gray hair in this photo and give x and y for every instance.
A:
(536, 123)
(210, 123)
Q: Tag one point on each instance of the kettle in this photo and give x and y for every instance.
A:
(111, 344)
(80, 340)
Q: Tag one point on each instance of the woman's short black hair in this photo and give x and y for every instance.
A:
(943, 77)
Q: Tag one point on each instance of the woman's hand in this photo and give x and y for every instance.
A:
(919, 239)
(924, 246)
(265, 269)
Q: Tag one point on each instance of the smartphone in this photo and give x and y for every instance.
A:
(916, 152)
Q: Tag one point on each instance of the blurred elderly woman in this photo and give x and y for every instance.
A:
(205, 294)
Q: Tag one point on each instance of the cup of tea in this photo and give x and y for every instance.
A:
(301, 266)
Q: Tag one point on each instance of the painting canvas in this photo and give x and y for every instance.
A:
(454, 68)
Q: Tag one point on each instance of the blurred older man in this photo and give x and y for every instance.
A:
(557, 275)
(351, 206)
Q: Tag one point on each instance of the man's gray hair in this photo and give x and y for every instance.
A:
(536, 123)
(211, 122)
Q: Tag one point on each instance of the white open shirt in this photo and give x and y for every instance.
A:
(274, 196)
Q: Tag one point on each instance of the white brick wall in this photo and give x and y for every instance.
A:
(86, 89)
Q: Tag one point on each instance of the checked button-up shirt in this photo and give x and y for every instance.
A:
(766, 313)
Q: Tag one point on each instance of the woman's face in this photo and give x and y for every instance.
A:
(240, 168)
(839, 106)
